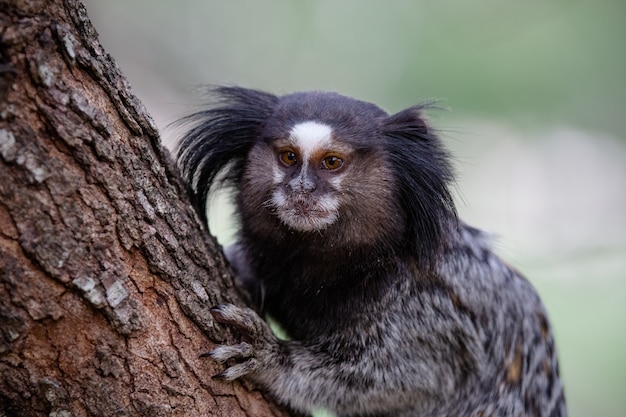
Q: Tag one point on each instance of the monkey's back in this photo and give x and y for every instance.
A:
(520, 375)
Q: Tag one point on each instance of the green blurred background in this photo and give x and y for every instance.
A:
(535, 99)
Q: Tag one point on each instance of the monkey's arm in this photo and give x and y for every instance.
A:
(389, 371)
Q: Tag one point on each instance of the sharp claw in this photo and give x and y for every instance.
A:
(216, 310)
(221, 376)
(217, 313)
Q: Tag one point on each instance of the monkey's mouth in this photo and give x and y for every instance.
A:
(303, 207)
(304, 213)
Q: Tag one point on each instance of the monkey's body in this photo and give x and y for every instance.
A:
(350, 240)
(470, 337)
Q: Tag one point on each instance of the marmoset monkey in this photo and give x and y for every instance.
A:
(349, 238)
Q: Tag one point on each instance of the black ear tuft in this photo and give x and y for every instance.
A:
(220, 138)
(423, 172)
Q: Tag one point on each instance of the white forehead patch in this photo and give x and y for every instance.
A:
(310, 136)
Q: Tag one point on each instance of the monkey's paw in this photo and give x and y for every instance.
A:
(254, 353)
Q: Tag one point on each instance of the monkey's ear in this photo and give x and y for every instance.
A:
(408, 122)
(220, 138)
(423, 173)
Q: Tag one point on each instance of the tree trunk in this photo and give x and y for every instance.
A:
(106, 275)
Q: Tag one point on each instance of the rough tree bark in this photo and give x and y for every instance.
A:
(106, 276)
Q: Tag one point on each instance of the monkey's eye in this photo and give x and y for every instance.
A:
(332, 162)
(288, 157)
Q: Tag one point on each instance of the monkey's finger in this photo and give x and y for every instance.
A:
(243, 319)
(239, 370)
(225, 352)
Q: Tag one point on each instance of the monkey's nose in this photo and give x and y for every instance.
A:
(303, 185)
(307, 186)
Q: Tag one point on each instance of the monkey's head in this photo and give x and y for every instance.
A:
(322, 167)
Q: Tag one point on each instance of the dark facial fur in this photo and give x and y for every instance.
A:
(349, 238)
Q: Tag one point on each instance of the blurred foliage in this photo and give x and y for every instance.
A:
(561, 61)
